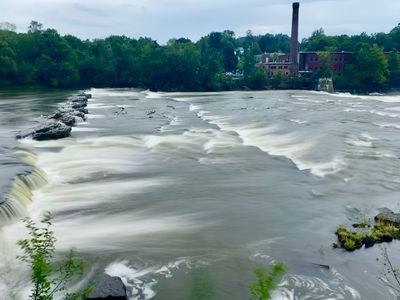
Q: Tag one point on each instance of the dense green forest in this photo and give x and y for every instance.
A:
(43, 57)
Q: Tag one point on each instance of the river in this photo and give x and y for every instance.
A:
(183, 195)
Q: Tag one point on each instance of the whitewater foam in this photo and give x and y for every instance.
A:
(95, 116)
(116, 231)
(141, 281)
(152, 95)
(309, 287)
(387, 125)
(300, 122)
(269, 139)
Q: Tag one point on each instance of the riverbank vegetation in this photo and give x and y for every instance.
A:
(218, 61)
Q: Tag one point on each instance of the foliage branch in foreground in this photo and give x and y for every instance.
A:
(267, 281)
(48, 278)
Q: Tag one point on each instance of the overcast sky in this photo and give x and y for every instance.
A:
(164, 19)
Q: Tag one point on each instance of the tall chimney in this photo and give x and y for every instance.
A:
(294, 49)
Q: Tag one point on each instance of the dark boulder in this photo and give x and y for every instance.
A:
(87, 95)
(76, 113)
(58, 114)
(68, 119)
(67, 116)
(56, 131)
(68, 107)
(49, 130)
(388, 216)
(83, 110)
(110, 288)
(78, 99)
(76, 105)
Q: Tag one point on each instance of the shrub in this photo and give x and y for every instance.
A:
(48, 278)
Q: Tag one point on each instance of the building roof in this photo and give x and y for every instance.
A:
(335, 52)
(278, 63)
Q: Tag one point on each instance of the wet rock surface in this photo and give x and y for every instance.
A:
(111, 288)
(388, 216)
(49, 130)
(58, 125)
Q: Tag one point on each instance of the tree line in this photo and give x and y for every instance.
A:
(43, 57)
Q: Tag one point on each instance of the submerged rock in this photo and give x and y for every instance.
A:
(87, 95)
(111, 288)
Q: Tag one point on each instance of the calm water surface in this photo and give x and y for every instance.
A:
(183, 195)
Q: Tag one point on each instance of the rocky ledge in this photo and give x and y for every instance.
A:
(58, 125)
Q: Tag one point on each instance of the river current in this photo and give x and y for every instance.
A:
(183, 195)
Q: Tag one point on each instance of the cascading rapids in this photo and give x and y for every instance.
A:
(20, 194)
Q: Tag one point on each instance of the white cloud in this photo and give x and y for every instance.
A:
(163, 19)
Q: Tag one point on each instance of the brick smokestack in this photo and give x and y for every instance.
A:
(294, 49)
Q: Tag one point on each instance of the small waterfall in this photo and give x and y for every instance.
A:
(20, 195)
(26, 156)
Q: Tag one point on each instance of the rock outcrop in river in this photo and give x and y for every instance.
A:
(58, 125)
(111, 288)
(49, 130)
(388, 216)
(385, 229)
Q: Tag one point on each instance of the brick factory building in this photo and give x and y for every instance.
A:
(300, 62)
(311, 61)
